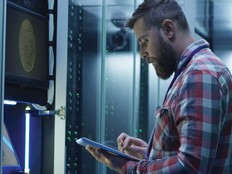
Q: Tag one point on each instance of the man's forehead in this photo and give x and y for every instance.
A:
(139, 28)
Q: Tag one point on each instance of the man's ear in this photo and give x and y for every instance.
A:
(168, 28)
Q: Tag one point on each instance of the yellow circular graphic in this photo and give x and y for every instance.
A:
(27, 45)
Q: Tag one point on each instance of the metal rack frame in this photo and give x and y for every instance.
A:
(2, 66)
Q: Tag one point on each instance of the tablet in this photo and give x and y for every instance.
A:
(85, 141)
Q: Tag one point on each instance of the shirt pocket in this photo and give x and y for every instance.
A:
(166, 137)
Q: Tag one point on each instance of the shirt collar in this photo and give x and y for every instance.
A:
(188, 51)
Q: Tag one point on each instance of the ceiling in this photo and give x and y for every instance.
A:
(213, 17)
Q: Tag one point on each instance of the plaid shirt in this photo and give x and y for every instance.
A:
(193, 132)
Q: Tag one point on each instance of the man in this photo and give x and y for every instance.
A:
(193, 132)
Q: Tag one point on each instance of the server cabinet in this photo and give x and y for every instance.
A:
(27, 45)
(109, 89)
(103, 79)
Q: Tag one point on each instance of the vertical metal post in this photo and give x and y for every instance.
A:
(101, 119)
(61, 87)
(211, 24)
(2, 67)
(135, 101)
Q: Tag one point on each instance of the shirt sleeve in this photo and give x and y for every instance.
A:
(198, 117)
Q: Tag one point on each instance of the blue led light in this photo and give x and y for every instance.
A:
(27, 141)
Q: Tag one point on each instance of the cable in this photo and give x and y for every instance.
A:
(51, 88)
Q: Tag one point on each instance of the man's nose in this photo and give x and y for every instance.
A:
(143, 52)
(143, 55)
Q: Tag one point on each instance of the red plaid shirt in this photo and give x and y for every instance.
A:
(193, 132)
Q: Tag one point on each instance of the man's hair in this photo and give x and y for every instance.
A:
(154, 12)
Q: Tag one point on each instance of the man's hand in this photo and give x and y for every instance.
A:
(110, 160)
(132, 146)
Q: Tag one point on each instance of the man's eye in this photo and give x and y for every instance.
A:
(144, 43)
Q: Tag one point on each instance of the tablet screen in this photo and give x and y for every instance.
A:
(85, 141)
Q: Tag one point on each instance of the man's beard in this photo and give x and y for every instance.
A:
(166, 62)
